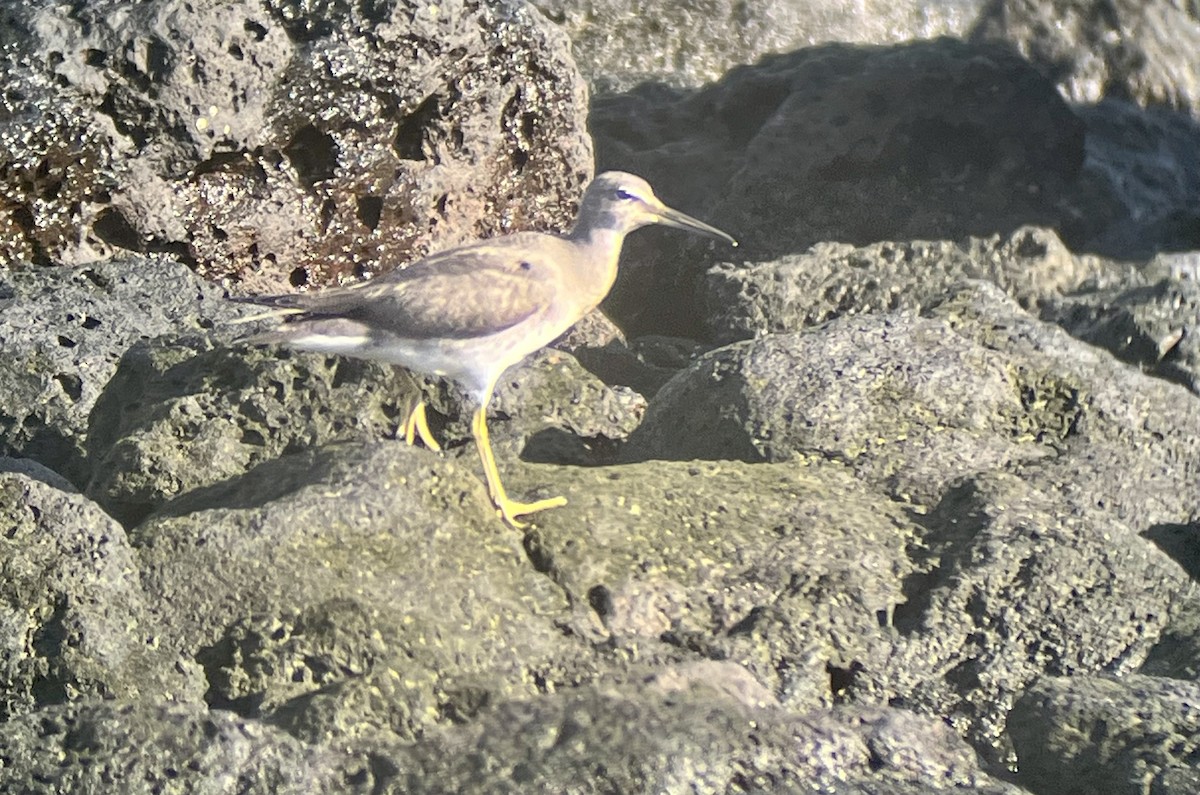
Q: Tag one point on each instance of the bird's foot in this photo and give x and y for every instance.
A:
(510, 509)
(417, 425)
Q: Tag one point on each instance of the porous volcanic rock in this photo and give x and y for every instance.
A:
(279, 143)
(1108, 734)
(1145, 51)
(64, 332)
(619, 43)
(830, 280)
(76, 621)
(927, 140)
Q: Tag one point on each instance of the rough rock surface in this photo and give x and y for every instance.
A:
(929, 140)
(619, 43)
(1147, 52)
(282, 143)
(905, 534)
(140, 747)
(835, 279)
(76, 621)
(64, 333)
(693, 741)
(1150, 326)
(1088, 734)
(182, 414)
(1003, 433)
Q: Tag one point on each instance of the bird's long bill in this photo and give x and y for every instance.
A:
(679, 220)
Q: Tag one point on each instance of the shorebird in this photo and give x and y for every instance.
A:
(472, 312)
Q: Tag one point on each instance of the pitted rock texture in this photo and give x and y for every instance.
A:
(904, 535)
(928, 140)
(64, 332)
(1073, 735)
(620, 43)
(1152, 326)
(830, 280)
(280, 144)
(143, 747)
(76, 622)
(1147, 52)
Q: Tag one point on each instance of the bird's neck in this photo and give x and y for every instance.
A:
(601, 249)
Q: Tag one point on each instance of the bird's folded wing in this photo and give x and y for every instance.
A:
(469, 295)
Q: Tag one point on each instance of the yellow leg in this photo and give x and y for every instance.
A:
(416, 425)
(509, 510)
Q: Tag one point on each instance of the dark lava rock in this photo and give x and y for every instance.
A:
(1147, 51)
(1035, 461)
(181, 415)
(790, 570)
(928, 140)
(905, 401)
(76, 621)
(1129, 65)
(142, 748)
(691, 740)
(64, 332)
(1021, 584)
(1140, 187)
(282, 143)
(913, 402)
(1115, 735)
(835, 279)
(1154, 326)
(619, 43)
(325, 565)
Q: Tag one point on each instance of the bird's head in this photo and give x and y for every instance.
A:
(623, 202)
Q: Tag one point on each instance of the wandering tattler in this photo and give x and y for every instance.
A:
(472, 312)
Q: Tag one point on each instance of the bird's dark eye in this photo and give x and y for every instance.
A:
(624, 194)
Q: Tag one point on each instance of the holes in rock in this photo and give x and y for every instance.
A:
(108, 106)
(157, 58)
(313, 154)
(95, 58)
(236, 52)
(841, 677)
(112, 227)
(90, 323)
(328, 211)
(409, 142)
(66, 342)
(600, 600)
(746, 625)
(72, 385)
(964, 676)
(24, 218)
(538, 554)
(298, 277)
(229, 162)
(256, 31)
(370, 208)
(93, 278)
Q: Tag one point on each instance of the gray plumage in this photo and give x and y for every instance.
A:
(472, 312)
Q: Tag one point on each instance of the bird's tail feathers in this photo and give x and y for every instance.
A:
(270, 314)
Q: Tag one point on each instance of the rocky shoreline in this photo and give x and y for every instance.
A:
(901, 499)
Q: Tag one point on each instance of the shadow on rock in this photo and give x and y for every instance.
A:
(936, 139)
(931, 140)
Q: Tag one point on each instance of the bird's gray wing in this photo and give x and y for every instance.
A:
(459, 294)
